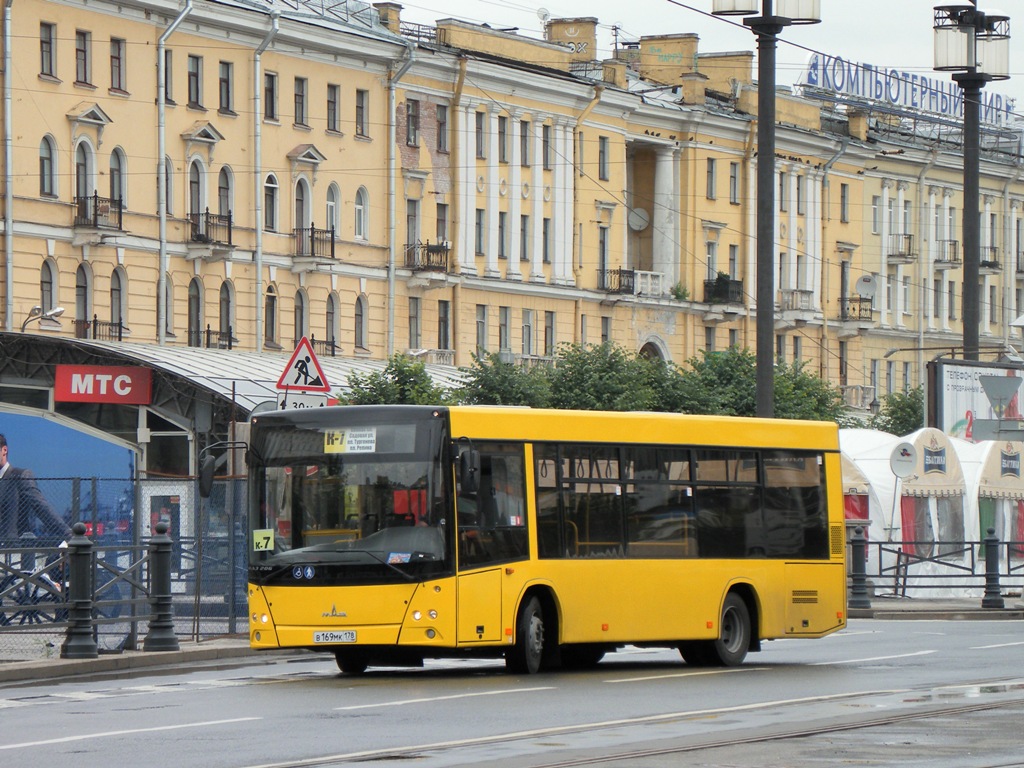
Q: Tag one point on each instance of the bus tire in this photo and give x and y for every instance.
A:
(527, 654)
(581, 656)
(730, 649)
(351, 662)
(694, 653)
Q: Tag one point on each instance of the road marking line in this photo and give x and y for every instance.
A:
(872, 658)
(686, 674)
(127, 732)
(998, 645)
(426, 700)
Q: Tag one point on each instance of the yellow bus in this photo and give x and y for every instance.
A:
(390, 534)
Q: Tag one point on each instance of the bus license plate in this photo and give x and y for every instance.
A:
(335, 636)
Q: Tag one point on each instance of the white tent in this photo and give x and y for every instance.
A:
(995, 487)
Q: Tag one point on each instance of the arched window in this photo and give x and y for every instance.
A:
(195, 190)
(83, 310)
(83, 170)
(331, 319)
(270, 316)
(360, 325)
(362, 211)
(117, 177)
(302, 204)
(168, 185)
(300, 316)
(224, 191)
(226, 313)
(270, 204)
(331, 220)
(47, 286)
(47, 168)
(117, 297)
(195, 313)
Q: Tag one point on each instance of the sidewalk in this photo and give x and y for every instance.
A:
(127, 663)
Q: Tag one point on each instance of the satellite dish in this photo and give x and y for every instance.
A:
(638, 219)
(544, 15)
(866, 286)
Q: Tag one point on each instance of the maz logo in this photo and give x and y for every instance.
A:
(333, 614)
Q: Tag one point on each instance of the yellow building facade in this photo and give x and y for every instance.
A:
(241, 175)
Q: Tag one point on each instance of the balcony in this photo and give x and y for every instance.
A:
(210, 227)
(97, 212)
(432, 356)
(858, 396)
(901, 249)
(855, 308)
(723, 290)
(796, 301)
(211, 339)
(428, 257)
(313, 243)
(990, 264)
(98, 330)
(633, 282)
(325, 348)
(947, 254)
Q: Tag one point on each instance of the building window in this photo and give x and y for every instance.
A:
(504, 329)
(602, 158)
(951, 300)
(876, 214)
(442, 128)
(844, 203)
(527, 331)
(734, 339)
(709, 338)
(270, 316)
(168, 76)
(362, 215)
(606, 329)
(269, 96)
(270, 190)
(710, 192)
(412, 122)
(195, 319)
(83, 58)
(801, 195)
(481, 329)
(502, 139)
(117, 294)
(480, 231)
(301, 117)
(545, 239)
(549, 334)
(226, 303)
(414, 322)
(224, 192)
(711, 260)
(362, 113)
(195, 81)
(441, 220)
(168, 185)
(524, 143)
(83, 170)
(502, 235)
(332, 209)
(734, 255)
(46, 287)
(299, 316)
(47, 168)
(412, 222)
(82, 292)
(117, 176)
(734, 183)
(481, 134)
(444, 320)
(780, 349)
(333, 115)
(225, 87)
(546, 153)
(937, 298)
(360, 322)
(602, 253)
(783, 191)
(117, 71)
(47, 52)
(331, 320)
(524, 238)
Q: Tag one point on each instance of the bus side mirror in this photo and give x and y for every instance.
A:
(469, 470)
(206, 477)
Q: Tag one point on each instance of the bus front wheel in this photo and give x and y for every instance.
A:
(351, 662)
(526, 655)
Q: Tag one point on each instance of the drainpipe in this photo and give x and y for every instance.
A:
(161, 171)
(826, 187)
(392, 201)
(8, 191)
(257, 165)
(922, 228)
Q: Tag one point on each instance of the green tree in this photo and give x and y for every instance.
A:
(803, 395)
(492, 381)
(402, 382)
(603, 377)
(901, 412)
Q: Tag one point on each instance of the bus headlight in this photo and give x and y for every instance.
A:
(416, 615)
(432, 614)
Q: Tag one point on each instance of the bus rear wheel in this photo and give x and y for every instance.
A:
(351, 662)
(730, 649)
(527, 654)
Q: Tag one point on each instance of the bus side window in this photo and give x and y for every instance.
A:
(492, 521)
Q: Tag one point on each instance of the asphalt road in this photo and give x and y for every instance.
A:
(936, 693)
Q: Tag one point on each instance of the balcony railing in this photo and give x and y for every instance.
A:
(209, 227)
(327, 347)
(723, 290)
(947, 254)
(901, 248)
(990, 263)
(98, 330)
(98, 212)
(854, 308)
(858, 396)
(796, 300)
(211, 339)
(311, 242)
(634, 282)
(432, 257)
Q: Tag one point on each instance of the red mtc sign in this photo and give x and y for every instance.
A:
(102, 384)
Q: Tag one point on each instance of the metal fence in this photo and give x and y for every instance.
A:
(208, 563)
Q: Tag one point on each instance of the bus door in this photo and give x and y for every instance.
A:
(492, 534)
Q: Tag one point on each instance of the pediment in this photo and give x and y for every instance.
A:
(89, 112)
(307, 153)
(204, 132)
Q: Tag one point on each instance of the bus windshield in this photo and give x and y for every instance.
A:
(350, 498)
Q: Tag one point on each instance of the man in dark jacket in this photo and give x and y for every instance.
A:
(21, 501)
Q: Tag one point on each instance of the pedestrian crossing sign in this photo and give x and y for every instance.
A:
(303, 372)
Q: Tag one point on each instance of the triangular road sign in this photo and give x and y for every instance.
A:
(303, 372)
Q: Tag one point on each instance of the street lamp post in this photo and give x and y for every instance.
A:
(975, 47)
(37, 313)
(774, 16)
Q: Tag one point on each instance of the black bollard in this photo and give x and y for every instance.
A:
(858, 576)
(161, 635)
(993, 597)
(79, 642)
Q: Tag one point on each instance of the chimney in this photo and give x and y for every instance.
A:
(390, 15)
(579, 34)
(666, 59)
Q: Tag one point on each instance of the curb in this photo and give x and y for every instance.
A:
(979, 614)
